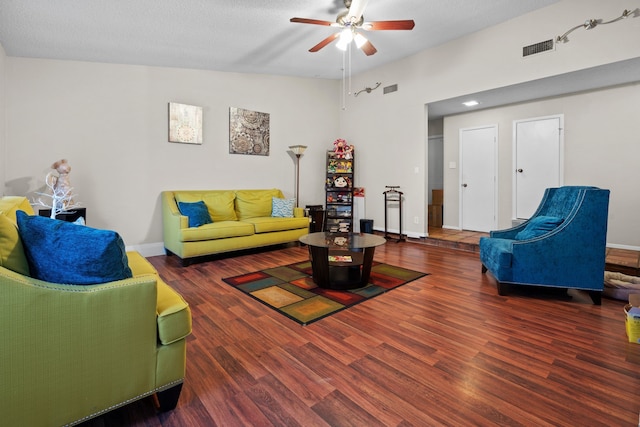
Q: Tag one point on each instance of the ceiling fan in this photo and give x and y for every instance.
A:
(351, 21)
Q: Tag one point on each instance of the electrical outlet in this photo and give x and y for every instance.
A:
(416, 220)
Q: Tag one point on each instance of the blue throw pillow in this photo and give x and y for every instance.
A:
(197, 212)
(538, 226)
(282, 208)
(64, 252)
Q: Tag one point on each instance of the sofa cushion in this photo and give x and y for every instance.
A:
(221, 205)
(538, 226)
(269, 224)
(255, 203)
(139, 265)
(219, 202)
(11, 251)
(197, 213)
(282, 208)
(496, 253)
(217, 230)
(63, 252)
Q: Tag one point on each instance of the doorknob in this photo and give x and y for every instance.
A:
(464, 185)
(520, 170)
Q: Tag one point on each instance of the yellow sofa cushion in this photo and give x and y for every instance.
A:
(220, 203)
(217, 230)
(10, 204)
(255, 203)
(268, 224)
(11, 250)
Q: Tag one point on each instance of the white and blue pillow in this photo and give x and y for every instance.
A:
(282, 208)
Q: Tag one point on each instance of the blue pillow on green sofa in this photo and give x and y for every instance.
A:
(538, 226)
(64, 252)
(197, 212)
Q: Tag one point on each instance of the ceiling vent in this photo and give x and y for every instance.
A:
(537, 48)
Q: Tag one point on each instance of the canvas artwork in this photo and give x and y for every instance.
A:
(248, 132)
(185, 123)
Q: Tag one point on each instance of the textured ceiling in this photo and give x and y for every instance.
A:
(255, 36)
(248, 36)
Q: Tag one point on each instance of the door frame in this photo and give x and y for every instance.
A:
(495, 172)
(514, 159)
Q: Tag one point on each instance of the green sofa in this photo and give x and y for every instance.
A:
(242, 219)
(69, 353)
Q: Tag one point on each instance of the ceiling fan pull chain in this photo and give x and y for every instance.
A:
(344, 82)
(349, 94)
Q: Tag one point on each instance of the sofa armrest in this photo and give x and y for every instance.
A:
(68, 338)
(172, 222)
(298, 212)
(174, 315)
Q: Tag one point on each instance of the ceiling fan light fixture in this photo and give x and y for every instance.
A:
(360, 40)
(346, 35)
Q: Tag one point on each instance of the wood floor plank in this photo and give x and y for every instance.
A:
(445, 349)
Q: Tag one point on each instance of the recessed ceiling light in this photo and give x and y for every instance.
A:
(470, 103)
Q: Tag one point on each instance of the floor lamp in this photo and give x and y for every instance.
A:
(297, 150)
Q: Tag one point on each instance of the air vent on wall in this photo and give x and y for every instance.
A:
(389, 89)
(537, 48)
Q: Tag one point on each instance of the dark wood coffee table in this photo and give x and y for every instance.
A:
(341, 260)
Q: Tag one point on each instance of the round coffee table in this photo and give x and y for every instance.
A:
(341, 260)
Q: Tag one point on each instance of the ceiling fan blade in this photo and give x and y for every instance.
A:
(356, 10)
(407, 24)
(324, 42)
(368, 48)
(311, 21)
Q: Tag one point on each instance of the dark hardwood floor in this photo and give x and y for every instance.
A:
(442, 350)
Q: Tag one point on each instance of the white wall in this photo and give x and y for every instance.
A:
(110, 122)
(601, 148)
(3, 103)
(396, 124)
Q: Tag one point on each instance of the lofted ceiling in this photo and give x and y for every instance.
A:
(246, 36)
(255, 36)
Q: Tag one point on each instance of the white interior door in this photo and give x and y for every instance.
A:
(478, 178)
(538, 147)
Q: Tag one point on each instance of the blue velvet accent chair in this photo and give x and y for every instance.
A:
(562, 245)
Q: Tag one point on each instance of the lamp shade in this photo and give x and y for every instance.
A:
(297, 149)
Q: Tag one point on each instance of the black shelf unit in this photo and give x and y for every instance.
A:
(339, 193)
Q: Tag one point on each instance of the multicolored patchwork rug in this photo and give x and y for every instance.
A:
(291, 291)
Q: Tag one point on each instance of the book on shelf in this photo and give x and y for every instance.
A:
(340, 258)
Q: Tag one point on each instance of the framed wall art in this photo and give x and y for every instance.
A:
(185, 123)
(248, 132)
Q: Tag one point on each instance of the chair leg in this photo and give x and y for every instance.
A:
(503, 289)
(168, 399)
(596, 297)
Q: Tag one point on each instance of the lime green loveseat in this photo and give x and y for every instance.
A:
(69, 353)
(242, 219)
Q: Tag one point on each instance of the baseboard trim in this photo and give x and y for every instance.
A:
(627, 247)
(148, 249)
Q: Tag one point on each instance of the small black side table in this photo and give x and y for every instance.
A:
(69, 216)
